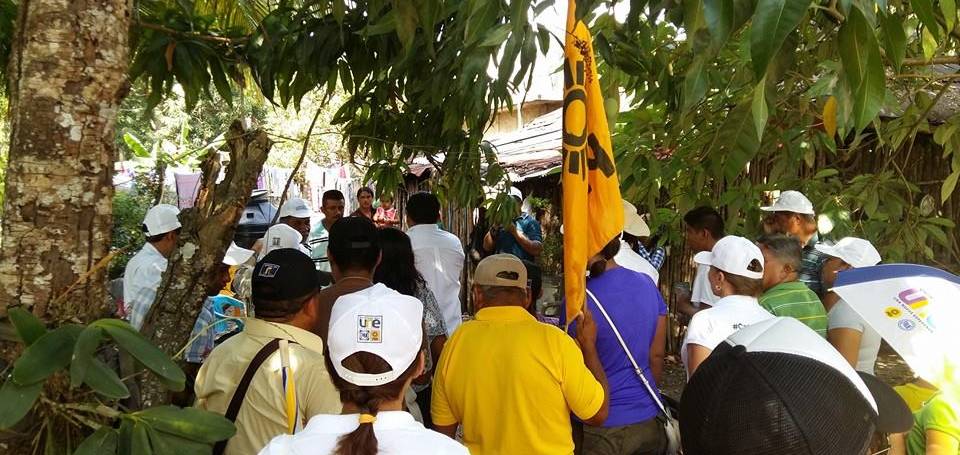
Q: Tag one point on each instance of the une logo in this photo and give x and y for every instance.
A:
(917, 300)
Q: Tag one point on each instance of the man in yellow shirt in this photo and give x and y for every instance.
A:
(276, 354)
(512, 382)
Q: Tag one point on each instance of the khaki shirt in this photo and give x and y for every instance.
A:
(262, 415)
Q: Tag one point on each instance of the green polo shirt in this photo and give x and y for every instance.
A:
(796, 300)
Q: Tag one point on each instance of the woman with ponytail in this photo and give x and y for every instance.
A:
(634, 304)
(375, 349)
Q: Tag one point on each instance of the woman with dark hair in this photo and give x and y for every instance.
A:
(398, 271)
(365, 202)
(638, 314)
(736, 276)
(375, 350)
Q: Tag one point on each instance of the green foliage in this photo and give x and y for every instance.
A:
(73, 349)
(129, 208)
(8, 15)
(730, 102)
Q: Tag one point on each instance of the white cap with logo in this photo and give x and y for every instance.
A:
(791, 201)
(380, 321)
(160, 219)
(281, 236)
(735, 255)
(854, 251)
(296, 208)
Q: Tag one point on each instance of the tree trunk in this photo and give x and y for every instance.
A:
(208, 229)
(67, 74)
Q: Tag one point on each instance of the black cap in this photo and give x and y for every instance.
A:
(743, 402)
(285, 274)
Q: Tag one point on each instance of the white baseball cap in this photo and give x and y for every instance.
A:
(160, 219)
(854, 251)
(633, 223)
(791, 201)
(280, 236)
(236, 255)
(734, 255)
(380, 321)
(296, 208)
(515, 192)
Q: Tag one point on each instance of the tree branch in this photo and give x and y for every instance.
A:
(199, 36)
(933, 61)
(303, 155)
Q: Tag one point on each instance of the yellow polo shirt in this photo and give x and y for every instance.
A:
(512, 382)
(263, 414)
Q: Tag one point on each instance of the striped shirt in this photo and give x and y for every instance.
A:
(795, 300)
(655, 256)
(811, 262)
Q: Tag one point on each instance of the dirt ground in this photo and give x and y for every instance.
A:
(890, 368)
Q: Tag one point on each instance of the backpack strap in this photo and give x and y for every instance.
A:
(234, 408)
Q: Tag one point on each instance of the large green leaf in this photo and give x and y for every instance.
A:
(190, 423)
(166, 443)
(101, 442)
(16, 401)
(924, 11)
(105, 381)
(724, 17)
(949, 185)
(28, 326)
(894, 39)
(759, 107)
(694, 84)
(147, 354)
(48, 354)
(135, 146)
(773, 20)
(736, 141)
(140, 440)
(83, 352)
(949, 9)
(863, 68)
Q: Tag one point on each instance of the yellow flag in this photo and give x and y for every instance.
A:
(592, 208)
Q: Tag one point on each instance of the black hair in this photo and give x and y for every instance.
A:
(353, 244)
(334, 195)
(364, 190)
(607, 253)
(423, 208)
(400, 271)
(705, 217)
(158, 237)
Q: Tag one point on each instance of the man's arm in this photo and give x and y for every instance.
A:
(532, 247)
(488, 243)
(587, 338)
(847, 342)
(658, 349)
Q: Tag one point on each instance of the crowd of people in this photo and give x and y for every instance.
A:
(349, 337)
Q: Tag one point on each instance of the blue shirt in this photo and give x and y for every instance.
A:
(506, 243)
(634, 304)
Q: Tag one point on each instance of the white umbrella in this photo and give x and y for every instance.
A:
(915, 308)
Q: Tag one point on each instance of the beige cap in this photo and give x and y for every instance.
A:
(633, 223)
(501, 270)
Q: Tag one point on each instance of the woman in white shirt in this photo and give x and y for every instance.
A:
(847, 331)
(736, 276)
(376, 348)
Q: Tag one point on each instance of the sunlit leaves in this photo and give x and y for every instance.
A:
(773, 20)
(863, 68)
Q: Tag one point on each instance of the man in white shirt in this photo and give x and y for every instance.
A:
(331, 205)
(439, 255)
(294, 213)
(704, 227)
(145, 270)
(634, 225)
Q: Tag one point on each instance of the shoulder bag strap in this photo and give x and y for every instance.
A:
(623, 344)
(234, 408)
